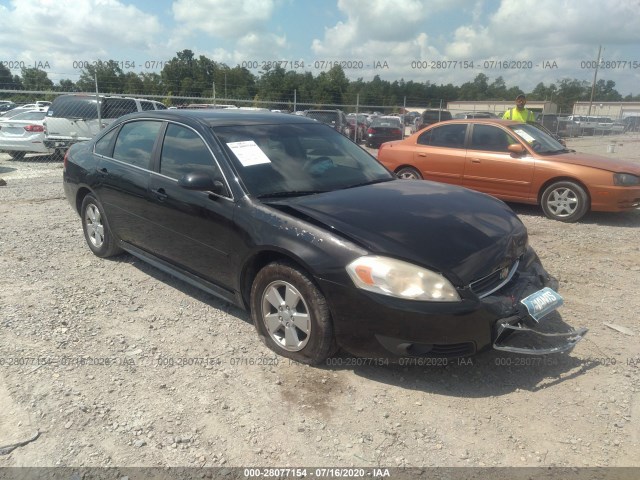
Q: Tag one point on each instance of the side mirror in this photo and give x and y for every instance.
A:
(201, 182)
(516, 149)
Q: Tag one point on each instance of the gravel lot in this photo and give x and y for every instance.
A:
(119, 364)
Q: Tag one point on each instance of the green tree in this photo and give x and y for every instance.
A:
(35, 79)
(109, 76)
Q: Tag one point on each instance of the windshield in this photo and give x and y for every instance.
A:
(537, 139)
(298, 159)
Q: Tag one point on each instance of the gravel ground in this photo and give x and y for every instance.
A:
(119, 364)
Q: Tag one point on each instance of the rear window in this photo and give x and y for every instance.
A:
(325, 117)
(74, 107)
(30, 116)
(435, 116)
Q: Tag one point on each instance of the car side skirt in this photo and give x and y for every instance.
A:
(183, 275)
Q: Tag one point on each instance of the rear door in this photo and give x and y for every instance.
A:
(124, 178)
(491, 168)
(440, 153)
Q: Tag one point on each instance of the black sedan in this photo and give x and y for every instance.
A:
(287, 218)
(383, 129)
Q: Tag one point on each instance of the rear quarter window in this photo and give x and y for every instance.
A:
(116, 107)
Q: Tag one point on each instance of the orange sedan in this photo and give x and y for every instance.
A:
(516, 162)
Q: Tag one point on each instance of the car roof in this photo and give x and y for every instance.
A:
(223, 117)
(494, 121)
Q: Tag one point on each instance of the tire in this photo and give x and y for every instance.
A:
(17, 155)
(565, 201)
(409, 173)
(281, 293)
(96, 229)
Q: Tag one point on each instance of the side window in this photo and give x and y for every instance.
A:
(135, 141)
(146, 105)
(103, 146)
(451, 136)
(490, 138)
(425, 138)
(116, 107)
(184, 151)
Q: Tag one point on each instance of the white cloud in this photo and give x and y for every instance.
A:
(62, 32)
(77, 26)
(223, 18)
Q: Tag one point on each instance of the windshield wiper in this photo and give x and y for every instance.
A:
(290, 193)
(370, 182)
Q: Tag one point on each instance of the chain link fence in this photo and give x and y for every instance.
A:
(75, 117)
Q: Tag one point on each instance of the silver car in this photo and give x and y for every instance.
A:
(23, 133)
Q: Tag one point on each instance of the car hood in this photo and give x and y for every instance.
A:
(464, 234)
(596, 161)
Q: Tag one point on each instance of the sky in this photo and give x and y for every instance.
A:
(441, 41)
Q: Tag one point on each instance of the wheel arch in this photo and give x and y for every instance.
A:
(258, 261)
(407, 165)
(82, 192)
(553, 180)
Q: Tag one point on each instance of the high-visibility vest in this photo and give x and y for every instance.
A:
(515, 114)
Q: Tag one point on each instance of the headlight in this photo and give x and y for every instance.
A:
(396, 278)
(625, 179)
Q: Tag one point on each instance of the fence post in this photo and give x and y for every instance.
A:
(98, 103)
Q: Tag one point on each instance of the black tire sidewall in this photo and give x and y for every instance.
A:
(321, 341)
(581, 194)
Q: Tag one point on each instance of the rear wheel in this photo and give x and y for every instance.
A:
(565, 201)
(16, 155)
(409, 173)
(96, 229)
(291, 315)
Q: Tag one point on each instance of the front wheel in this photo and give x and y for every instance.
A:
(565, 201)
(291, 315)
(96, 229)
(409, 173)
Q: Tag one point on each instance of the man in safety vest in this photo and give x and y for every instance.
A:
(519, 113)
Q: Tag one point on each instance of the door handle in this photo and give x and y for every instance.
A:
(475, 160)
(422, 154)
(160, 194)
(103, 171)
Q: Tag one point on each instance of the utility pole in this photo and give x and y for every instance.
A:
(595, 76)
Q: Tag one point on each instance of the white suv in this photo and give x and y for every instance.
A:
(77, 118)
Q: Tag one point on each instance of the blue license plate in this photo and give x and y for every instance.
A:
(542, 303)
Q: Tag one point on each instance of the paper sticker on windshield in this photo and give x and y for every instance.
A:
(524, 135)
(248, 153)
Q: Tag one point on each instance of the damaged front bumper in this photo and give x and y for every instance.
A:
(520, 335)
(529, 326)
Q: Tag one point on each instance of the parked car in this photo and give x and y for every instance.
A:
(22, 109)
(336, 119)
(290, 220)
(431, 116)
(23, 133)
(6, 105)
(74, 118)
(383, 129)
(631, 123)
(518, 163)
(356, 127)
